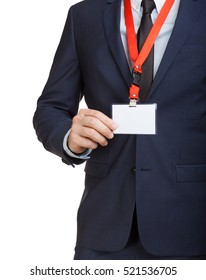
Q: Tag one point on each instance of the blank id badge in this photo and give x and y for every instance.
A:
(140, 119)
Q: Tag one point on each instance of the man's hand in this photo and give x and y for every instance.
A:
(90, 128)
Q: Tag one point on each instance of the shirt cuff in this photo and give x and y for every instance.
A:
(84, 155)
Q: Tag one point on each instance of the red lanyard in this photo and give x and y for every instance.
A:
(139, 58)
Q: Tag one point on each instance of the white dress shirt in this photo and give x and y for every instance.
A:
(159, 47)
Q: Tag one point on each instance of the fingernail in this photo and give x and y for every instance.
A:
(111, 135)
(114, 126)
(105, 144)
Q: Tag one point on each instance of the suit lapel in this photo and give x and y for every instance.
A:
(111, 21)
(188, 14)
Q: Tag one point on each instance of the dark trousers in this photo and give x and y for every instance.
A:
(132, 251)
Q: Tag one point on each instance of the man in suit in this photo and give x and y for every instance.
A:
(145, 195)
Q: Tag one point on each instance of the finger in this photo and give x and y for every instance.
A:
(94, 135)
(95, 125)
(100, 116)
(78, 143)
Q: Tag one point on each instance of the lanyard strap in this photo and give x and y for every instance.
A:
(139, 58)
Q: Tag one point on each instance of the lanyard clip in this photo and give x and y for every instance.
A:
(133, 102)
(136, 77)
(133, 95)
(134, 89)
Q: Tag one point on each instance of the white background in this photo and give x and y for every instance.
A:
(39, 195)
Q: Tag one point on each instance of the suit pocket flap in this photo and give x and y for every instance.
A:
(96, 169)
(191, 173)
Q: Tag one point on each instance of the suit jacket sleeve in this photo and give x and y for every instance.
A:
(60, 98)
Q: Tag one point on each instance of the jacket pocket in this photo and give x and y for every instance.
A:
(191, 173)
(96, 169)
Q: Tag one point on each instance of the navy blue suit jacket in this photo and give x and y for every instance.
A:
(165, 174)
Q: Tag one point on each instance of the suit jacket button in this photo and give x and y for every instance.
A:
(133, 170)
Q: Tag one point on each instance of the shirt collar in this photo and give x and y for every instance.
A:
(136, 4)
